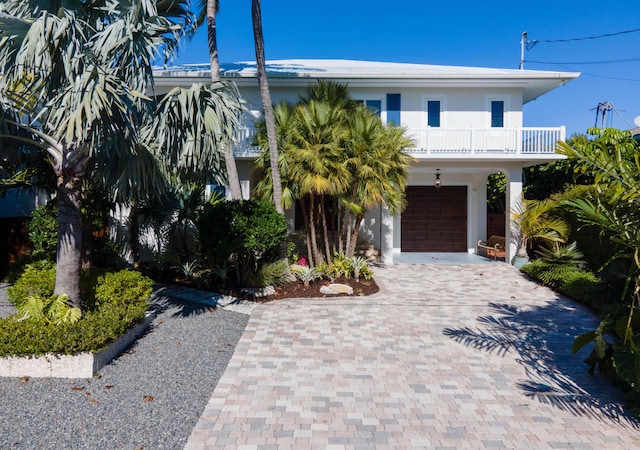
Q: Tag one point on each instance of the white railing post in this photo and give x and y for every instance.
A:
(472, 140)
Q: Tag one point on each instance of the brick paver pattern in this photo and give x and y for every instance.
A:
(445, 356)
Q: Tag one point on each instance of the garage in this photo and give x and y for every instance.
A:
(435, 220)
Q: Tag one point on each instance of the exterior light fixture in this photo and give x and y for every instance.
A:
(437, 182)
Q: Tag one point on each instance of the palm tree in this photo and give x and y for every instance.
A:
(379, 170)
(317, 167)
(211, 7)
(285, 130)
(75, 80)
(338, 151)
(533, 223)
(270, 123)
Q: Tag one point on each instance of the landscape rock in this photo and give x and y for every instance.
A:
(336, 288)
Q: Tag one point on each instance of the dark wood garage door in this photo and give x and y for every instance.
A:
(435, 220)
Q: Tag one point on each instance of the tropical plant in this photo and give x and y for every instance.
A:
(208, 12)
(74, 78)
(221, 271)
(54, 309)
(338, 161)
(559, 261)
(379, 169)
(307, 274)
(534, 224)
(190, 268)
(611, 156)
(271, 273)
(359, 264)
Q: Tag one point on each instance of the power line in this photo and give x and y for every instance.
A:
(570, 69)
(535, 41)
(610, 61)
(527, 44)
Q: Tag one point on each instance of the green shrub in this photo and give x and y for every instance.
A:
(581, 286)
(38, 279)
(249, 229)
(93, 332)
(126, 287)
(121, 301)
(595, 243)
(43, 231)
(584, 287)
(17, 268)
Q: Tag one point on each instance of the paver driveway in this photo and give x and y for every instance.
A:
(444, 356)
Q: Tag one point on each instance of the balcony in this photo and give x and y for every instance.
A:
(490, 142)
(458, 143)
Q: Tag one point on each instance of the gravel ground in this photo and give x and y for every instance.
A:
(150, 397)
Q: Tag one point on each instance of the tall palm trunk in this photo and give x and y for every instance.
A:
(317, 256)
(307, 229)
(69, 259)
(325, 228)
(134, 232)
(269, 117)
(235, 191)
(342, 230)
(354, 236)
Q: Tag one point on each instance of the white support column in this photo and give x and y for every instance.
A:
(386, 235)
(480, 189)
(513, 198)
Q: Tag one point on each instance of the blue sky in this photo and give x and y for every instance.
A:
(462, 33)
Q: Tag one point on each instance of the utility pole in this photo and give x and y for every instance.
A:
(523, 42)
(604, 108)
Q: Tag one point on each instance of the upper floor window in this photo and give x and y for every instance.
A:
(433, 113)
(497, 113)
(372, 104)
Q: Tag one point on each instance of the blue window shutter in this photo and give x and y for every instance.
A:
(497, 114)
(393, 109)
(433, 113)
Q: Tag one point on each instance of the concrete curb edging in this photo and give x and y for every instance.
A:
(82, 365)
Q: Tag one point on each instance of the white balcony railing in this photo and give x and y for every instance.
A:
(516, 141)
(457, 142)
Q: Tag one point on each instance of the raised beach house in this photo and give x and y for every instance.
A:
(466, 122)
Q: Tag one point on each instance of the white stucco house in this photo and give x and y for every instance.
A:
(467, 123)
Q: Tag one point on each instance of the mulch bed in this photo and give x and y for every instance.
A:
(294, 289)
